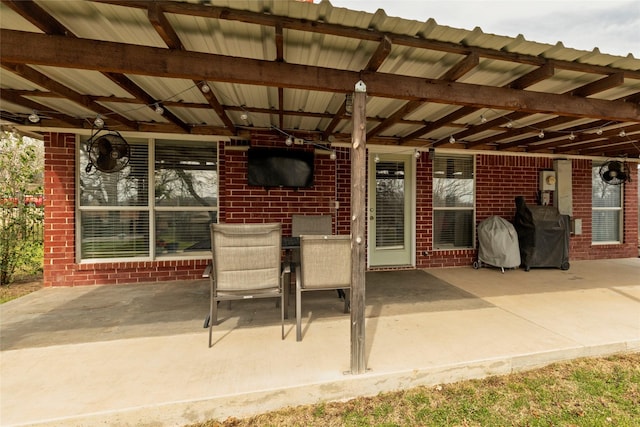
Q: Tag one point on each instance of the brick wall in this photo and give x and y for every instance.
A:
(581, 247)
(60, 266)
(499, 179)
(240, 203)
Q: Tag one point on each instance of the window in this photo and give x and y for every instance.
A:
(453, 202)
(186, 194)
(606, 209)
(120, 218)
(390, 201)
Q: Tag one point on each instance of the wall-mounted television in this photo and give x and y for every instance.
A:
(279, 167)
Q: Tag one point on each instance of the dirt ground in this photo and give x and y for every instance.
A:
(20, 287)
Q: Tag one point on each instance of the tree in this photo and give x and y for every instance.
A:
(21, 218)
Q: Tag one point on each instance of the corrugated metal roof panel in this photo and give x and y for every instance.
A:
(104, 22)
(237, 38)
(89, 82)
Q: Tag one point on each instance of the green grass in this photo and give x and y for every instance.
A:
(583, 393)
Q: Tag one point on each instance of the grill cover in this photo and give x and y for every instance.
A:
(543, 235)
(498, 241)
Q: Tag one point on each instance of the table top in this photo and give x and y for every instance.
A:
(289, 242)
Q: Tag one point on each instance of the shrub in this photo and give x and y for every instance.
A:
(20, 218)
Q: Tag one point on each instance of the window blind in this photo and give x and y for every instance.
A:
(453, 202)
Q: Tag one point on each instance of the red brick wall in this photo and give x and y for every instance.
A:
(499, 179)
(240, 203)
(59, 212)
(581, 247)
(60, 266)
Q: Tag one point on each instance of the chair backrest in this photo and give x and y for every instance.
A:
(325, 261)
(246, 256)
(310, 224)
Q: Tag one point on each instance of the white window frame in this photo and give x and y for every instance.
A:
(472, 209)
(150, 208)
(619, 209)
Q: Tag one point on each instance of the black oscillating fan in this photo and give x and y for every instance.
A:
(615, 172)
(108, 152)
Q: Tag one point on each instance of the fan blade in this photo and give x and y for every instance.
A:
(106, 162)
(123, 150)
(615, 166)
(608, 176)
(104, 146)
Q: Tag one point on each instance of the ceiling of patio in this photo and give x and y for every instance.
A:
(289, 66)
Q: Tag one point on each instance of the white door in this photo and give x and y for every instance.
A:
(390, 212)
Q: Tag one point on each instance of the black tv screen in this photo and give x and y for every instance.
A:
(277, 167)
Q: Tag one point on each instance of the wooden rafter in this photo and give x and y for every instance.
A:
(119, 57)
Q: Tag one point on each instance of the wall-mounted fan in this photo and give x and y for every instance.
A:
(108, 152)
(615, 172)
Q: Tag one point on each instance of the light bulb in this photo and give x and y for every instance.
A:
(541, 134)
(205, 88)
(451, 139)
(572, 136)
(244, 116)
(98, 122)
(622, 134)
(483, 119)
(376, 159)
(599, 131)
(509, 125)
(289, 141)
(416, 154)
(159, 109)
(333, 155)
(33, 117)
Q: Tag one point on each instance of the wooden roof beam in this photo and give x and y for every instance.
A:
(539, 74)
(39, 17)
(42, 80)
(600, 85)
(217, 12)
(17, 99)
(161, 24)
(467, 64)
(135, 90)
(20, 47)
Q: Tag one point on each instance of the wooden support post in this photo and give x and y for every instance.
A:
(358, 222)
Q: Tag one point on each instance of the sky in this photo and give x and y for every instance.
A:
(613, 26)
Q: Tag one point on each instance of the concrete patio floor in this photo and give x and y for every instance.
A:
(138, 355)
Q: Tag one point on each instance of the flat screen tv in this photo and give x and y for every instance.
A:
(278, 167)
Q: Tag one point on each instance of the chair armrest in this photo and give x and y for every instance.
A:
(207, 271)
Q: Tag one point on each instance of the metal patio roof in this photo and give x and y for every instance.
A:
(289, 66)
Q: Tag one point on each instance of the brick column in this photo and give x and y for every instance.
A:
(59, 211)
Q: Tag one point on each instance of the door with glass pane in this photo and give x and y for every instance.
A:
(390, 209)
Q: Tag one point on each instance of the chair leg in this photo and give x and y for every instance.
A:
(285, 286)
(282, 312)
(209, 320)
(347, 301)
(298, 307)
(213, 315)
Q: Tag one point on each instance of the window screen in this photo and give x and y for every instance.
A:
(606, 212)
(453, 202)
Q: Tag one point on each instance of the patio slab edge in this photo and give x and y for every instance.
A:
(371, 383)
